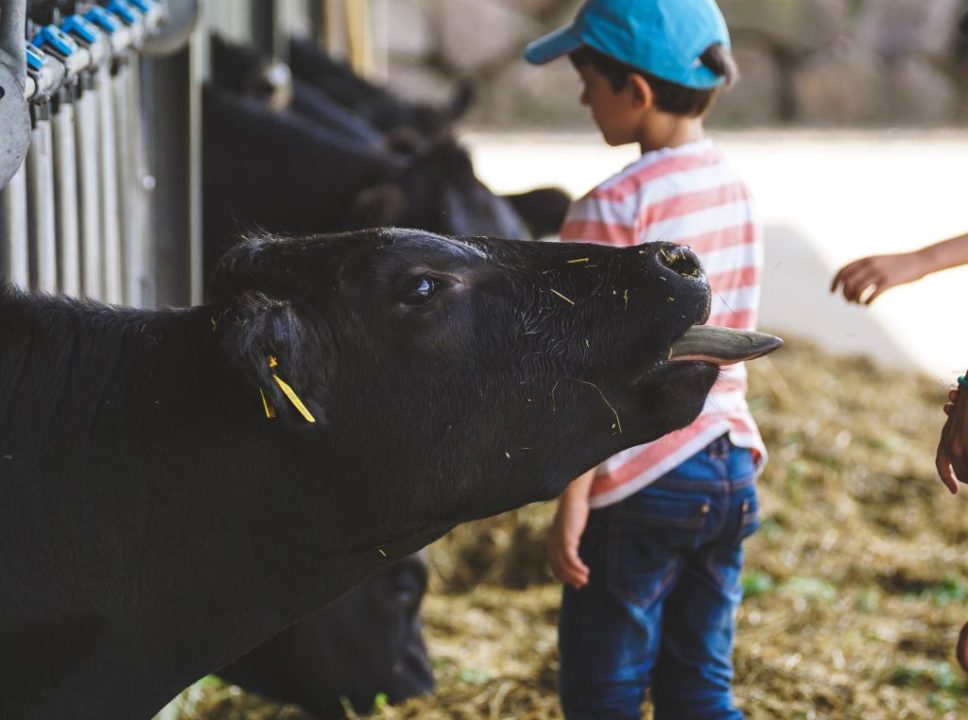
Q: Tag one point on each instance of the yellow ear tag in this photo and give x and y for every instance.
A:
(290, 393)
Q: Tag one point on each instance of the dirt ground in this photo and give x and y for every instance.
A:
(856, 585)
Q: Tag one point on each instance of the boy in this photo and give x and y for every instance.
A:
(649, 543)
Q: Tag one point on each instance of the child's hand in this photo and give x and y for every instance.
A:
(952, 458)
(564, 538)
(862, 281)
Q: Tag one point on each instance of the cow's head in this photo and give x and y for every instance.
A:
(456, 378)
(366, 643)
(435, 190)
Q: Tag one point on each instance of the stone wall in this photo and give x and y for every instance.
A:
(804, 62)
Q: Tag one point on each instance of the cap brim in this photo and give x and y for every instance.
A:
(552, 46)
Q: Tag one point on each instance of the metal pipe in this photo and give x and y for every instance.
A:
(14, 261)
(87, 137)
(40, 203)
(135, 183)
(125, 180)
(110, 211)
(65, 190)
(195, 199)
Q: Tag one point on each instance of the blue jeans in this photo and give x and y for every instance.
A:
(660, 608)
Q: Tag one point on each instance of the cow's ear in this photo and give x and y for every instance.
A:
(378, 206)
(284, 357)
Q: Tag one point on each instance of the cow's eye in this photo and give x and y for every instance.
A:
(420, 290)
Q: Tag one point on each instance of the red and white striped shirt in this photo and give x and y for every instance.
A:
(688, 195)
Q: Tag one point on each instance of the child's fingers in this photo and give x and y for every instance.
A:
(961, 651)
(855, 289)
(567, 567)
(842, 277)
(575, 569)
(945, 472)
(879, 287)
(847, 272)
(837, 278)
(852, 284)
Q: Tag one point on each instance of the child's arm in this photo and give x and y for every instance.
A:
(566, 530)
(863, 280)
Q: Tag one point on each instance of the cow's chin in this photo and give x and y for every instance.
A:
(667, 397)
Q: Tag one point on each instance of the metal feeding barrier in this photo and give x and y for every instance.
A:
(74, 211)
(100, 134)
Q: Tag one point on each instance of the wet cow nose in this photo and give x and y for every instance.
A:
(677, 258)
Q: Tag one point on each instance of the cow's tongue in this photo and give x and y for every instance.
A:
(722, 346)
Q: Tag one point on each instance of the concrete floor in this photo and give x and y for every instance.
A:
(825, 198)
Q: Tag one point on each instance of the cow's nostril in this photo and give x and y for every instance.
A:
(680, 261)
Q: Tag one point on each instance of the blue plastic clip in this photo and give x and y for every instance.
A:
(35, 58)
(103, 19)
(60, 42)
(123, 11)
(80, 28)
(143, 5)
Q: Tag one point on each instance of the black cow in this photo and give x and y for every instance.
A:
(244, 71)
(178, 486)
(349, 176)
(281, 172)
(542, 209)
(277, 171)
(369, 642)
(378, 105)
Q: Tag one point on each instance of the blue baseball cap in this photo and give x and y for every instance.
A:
(661, 37)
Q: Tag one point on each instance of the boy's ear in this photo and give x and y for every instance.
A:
(642, 93)
(268, 340)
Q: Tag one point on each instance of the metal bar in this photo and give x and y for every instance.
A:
(87, 136)
(196, 68)
(110, 212)
(14, 262)
(65, 191)
(136, 183)
(40, 204)
(126, 223)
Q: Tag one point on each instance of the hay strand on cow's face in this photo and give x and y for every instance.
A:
(566, 299)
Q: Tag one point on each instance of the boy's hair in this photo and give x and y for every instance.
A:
(670, 97)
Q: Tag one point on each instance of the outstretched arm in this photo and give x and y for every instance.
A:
(862, 281)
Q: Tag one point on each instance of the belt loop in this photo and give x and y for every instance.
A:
(719, 448)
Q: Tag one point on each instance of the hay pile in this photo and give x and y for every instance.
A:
(857, 583)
